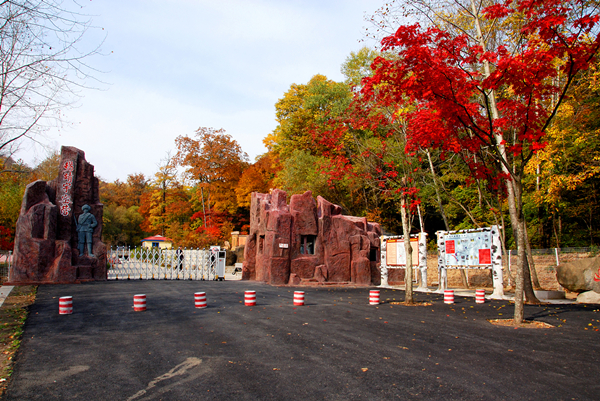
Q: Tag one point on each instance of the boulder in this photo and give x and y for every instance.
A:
(589, 297)
(361, 271)
(339, 268)
(294, 279)
(580, 275)
(279, 271)
(396, 276)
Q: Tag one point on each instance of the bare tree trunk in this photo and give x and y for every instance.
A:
(408, 278)
(530, 262)
(523, 277)
(530, 297)
(521, 257)
(508, 269)
(421, 223)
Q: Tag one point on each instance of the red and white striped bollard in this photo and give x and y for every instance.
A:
(480, 296)
(200, 300)
(448, 296)
(374, 297)
(139, 302)
(250, 298)
(65, 305)
(298, 298)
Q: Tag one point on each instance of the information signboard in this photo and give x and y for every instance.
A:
(471, 249)
(393, 256)
(468, 249)
(396, 253)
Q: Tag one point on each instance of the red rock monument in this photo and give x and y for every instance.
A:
(54, 216)
(309, 242)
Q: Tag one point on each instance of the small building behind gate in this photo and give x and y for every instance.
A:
(157, 241)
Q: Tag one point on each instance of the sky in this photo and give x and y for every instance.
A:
(169, 67)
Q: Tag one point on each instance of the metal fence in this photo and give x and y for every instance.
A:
(554, 251)
(567, 253)
(165, 264)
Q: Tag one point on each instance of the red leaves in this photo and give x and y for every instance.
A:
(440, 76)
(7, 238)
(438, 88)
(586, 22)
(497, 11)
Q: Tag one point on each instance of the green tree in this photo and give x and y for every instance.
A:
(303, 108)
(48, 168)
(358, 65)
(122, 225)
(12, 188)
(564, 178)
(161, 204)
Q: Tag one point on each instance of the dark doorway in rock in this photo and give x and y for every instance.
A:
(307, 244)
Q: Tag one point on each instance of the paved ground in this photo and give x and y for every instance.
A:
(337, 347)
(4, 291)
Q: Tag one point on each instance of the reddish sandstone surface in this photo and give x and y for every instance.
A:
(46, 236)
(309, 242)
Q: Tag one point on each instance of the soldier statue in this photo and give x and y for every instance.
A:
(85, 229)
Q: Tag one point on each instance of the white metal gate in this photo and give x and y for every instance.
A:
(166, 264)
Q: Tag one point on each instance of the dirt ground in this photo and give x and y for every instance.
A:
(13, 313)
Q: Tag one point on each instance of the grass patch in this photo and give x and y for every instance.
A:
(13, 314)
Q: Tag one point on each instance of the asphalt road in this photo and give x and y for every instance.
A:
(336, 347)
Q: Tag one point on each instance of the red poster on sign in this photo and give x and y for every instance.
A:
(485, 256)
(450, 247)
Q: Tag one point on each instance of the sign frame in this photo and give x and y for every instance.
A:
(469, 249)
(421, 240)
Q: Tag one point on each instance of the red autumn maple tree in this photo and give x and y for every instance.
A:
(488, 90)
